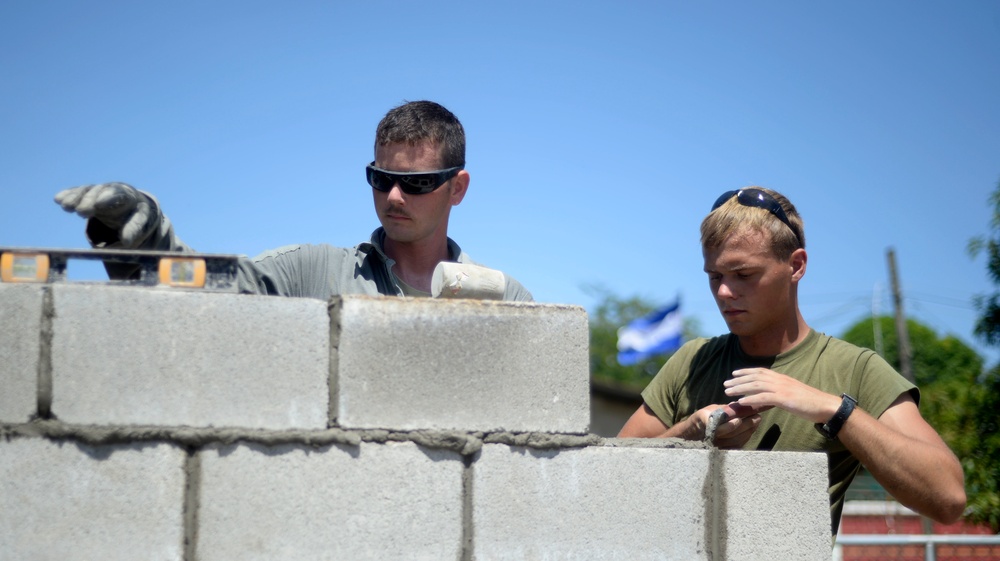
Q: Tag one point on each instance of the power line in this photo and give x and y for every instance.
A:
(857, 305)
(941, 300)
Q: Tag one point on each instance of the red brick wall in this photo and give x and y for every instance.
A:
(908, 524)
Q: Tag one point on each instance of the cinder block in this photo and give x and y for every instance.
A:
(20, 337)
(591, 503)
(422, 363)
(124, 355)
(376, 501)
(70, 501)
(776, 506)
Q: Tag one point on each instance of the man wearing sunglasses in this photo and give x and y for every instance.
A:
(779, 385)
(417, 176)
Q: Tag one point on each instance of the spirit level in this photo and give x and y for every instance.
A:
(214, 272)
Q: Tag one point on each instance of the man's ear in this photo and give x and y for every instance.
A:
(798, 262)
(459, 186)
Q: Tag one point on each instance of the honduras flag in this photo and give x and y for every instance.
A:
(657, 333)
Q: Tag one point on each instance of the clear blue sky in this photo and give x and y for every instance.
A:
(599, 133)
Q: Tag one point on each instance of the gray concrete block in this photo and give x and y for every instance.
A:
(20, 337)
(591, 503)
(776, 506)
(71, 501)
(376, 501)
(124, 355)
(421, 363)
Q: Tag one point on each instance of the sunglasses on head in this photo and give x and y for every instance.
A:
(759, 199)
(411, 182)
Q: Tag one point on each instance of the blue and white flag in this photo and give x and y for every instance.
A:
(657, 333)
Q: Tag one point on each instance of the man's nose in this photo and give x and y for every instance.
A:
(724, 291)
(396, 194)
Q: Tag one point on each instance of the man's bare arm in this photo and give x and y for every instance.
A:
(907, 456)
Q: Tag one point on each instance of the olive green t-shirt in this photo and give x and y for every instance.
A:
(693, 378)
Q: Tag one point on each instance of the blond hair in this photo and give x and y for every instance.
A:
(732, 217)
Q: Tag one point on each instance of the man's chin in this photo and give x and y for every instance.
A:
(738, 328)
(396, 233)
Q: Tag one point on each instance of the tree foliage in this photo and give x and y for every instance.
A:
(988, 324)
(982, 473)
(982, 462)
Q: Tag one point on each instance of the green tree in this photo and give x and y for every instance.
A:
(982, 473)
(982, 463)
(988, 324)
(610, 314)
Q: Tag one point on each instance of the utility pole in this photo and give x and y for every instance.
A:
(902, 334)
(876, 323)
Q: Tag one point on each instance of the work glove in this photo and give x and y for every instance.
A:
(121, 208)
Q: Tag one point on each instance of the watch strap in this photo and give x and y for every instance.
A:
(830, 428)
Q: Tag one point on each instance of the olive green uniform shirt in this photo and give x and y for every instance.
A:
(692, 378)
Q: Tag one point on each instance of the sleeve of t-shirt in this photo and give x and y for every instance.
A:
(879, 384)
(303, 271)
(662, 395)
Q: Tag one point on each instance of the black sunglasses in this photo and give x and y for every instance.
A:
(759, 199)
(412, 182)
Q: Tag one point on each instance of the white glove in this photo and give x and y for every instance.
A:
(119, 206)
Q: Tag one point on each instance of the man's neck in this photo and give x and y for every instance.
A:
(775, 341)
(415, 262)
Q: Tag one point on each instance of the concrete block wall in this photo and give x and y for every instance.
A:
(178, 425)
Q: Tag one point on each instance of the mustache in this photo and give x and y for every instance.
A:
(397, 211)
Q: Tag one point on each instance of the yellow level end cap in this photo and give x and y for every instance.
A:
(188, 272)
(24, 267)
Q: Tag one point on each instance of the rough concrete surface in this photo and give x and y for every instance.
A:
(194, 427)
(376, 501)
(421, 363)
(20, 341)
(69, 501)
(124, 355)
(460, 442)
(590, 503)
(774, 505)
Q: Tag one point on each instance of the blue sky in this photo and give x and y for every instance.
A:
(599, 133)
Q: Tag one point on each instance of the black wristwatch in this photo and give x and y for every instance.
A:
(830, 428)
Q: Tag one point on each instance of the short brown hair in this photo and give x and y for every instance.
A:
(417, 121)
